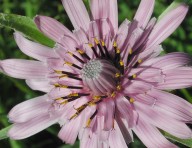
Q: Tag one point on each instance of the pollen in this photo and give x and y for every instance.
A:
(118, 87)
(134, 76)
(117, 75)
(131, 100)
(140, 61)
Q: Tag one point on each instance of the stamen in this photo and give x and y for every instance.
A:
(91, 118)
(132, 77)
(94, 50)
(99, 46)
(76, 57)
(118, 87)
(137, 64)
(131, 100)
(105, 48)
(74, 65)
(117, 75)
(113, 94)
(121, 64)
(65, 73)
(72, 77)
(57, 85)
(83, 54)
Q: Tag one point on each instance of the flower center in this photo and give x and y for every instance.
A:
(99, 76)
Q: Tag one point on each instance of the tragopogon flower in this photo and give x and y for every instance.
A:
(103, 82)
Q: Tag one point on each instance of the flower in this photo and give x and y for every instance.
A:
(103, 82)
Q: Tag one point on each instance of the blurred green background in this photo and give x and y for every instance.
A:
(14, 91)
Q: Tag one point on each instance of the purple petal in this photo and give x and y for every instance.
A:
(27, 129)
(29, 109)
(24, 69)
(69, 131)
(167, 25)
(151, 136)
(33, 49)
(170, 104)
(103, 9)
(52, 28)
(172, 126)
(77, 13)
(144, 12)
(39, 84)
(116, 139)
(169, 61)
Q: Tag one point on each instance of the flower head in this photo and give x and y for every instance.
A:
(103, 81)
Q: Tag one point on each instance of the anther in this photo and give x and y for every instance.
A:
(131, 100)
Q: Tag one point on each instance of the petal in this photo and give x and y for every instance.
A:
(125, 110)
(152, 116)
(125, 130)
(170, 104)
(116, 139)
(122, 33)
(52, 28)
(107, 109)
(24, 69)
(176, 78)
(103, 9)
(33, 49)
(167, 24)
(58, 93)
(27, 129)
(39, 84)
(77, 13)
(151, 137)
(29, 109)
(144, 12)
(70, 130)
(169, 61)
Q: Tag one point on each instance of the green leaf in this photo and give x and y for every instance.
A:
(3, 132)
(25, 25)
(186, 142)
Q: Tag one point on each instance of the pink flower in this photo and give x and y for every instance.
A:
(103, 81)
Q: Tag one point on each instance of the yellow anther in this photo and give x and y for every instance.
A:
(64, 102)
(68, 63)
(63, 76)
(121, 63)
(90, 45)
(96, 41)
(75, 115)
(58, 72)
(117, 75)
(131, 100)
(71, 54)
(92, 104)
(113, 94)
(80, 51)
(73, 95)
(97, 97)
(118, 50)
(114, 44)
(131, 51)
(134, 76)
(118, 87)
(59, 99)
(102, 43)
(88, 123)
(140, 61)
(59, 85)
